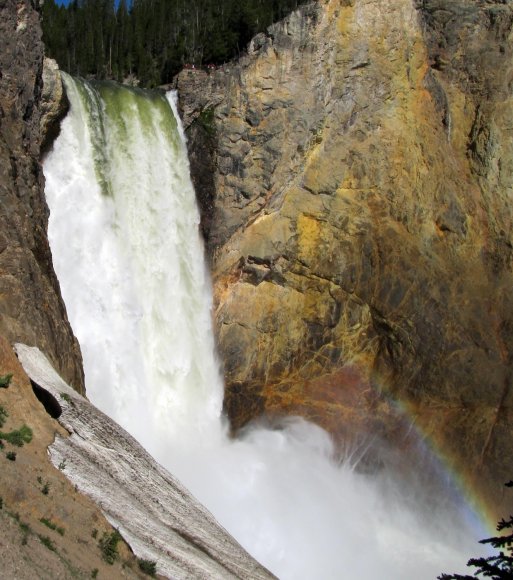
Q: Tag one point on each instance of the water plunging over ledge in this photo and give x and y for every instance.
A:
(128, 255)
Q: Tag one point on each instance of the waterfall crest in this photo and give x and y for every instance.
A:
(127, 251)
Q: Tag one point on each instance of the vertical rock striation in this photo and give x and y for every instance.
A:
(31, 308)
(359, 222)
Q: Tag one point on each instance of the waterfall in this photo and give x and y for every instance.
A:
(124, 226)
(124, 235)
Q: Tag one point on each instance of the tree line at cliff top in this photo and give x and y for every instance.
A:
(151, 40)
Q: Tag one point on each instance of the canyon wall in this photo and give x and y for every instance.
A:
(355, 170)
(31, 308)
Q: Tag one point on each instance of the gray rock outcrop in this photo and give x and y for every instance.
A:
(54, 103)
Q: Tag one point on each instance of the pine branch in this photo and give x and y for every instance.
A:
(504, 524)
(499, 541)
(492, 567)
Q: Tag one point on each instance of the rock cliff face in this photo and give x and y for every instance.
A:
(359, 222)
(31, 309)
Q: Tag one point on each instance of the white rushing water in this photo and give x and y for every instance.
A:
(127, 251)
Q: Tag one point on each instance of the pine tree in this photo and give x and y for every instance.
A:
(152, 39)
(498, 567)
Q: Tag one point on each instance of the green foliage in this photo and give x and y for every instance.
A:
(62, 465)
(1, 503)
(18, 437)
(45, 490)
(11, 455)
(46, 541)
(26, 530)
(5, 381)
(49, 524)
(152, 39)
(94, 573)
(94, 533)
(109, 546)
(149, 567)
(3, 415)
(207, 121)
(66, 397)
(498, 567)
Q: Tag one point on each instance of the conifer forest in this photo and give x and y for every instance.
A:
(148, 41)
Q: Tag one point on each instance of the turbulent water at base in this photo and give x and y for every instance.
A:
(124, 236)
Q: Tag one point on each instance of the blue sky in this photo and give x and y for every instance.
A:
(66, 2)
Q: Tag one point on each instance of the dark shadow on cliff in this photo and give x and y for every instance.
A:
(48, 401)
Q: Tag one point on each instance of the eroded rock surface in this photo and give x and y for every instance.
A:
(31, 309)
(158, 517)
(359, 222)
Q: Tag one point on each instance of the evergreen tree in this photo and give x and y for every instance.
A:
(498, 567)
(152, 39)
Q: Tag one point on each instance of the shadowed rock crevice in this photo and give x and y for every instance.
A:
(48, 401)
